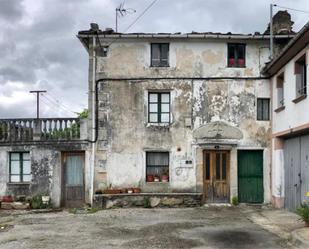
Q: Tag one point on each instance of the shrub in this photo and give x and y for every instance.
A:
(37, 203)
(234, 201)
(303, 212)
(147, 202)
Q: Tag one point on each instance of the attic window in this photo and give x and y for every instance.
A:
(159, 54)
(236, 55)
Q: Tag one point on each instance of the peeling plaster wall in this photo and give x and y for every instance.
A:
(45, 170)
(125, 135)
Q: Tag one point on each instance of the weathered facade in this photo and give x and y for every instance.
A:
(290, 122)
(34, 158)
(207, 125)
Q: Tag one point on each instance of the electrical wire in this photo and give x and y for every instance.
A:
(50, 106)
(58, 103)
(283, 7)
(53, 104)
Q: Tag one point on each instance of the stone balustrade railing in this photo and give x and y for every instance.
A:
(43, 129)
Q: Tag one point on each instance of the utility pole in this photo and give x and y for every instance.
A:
(38, 101)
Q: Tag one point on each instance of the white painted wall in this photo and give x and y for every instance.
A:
(294, 114)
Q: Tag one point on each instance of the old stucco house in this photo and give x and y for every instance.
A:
(186, 113)
(168, 113)
(290, 122)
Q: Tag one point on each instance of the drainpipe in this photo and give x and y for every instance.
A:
(93, 145)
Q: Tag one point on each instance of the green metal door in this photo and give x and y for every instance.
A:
(250, 176)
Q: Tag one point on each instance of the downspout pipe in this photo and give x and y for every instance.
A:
(93, 118)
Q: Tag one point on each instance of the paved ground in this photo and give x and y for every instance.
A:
(234, 227)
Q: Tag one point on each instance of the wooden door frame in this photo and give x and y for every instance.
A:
(63, 154)
(228, 168)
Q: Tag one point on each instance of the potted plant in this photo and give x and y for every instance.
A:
(136, 190)
(156, 178)
(165, 177)
(7, 198)
(149, 178)
(303, 212)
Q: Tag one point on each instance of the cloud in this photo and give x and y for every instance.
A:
(39, 48)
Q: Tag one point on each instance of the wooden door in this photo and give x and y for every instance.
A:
(73, 190)
(250, 176)
(216, 176)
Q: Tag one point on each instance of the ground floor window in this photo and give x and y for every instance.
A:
(20, 167)
(157, 166)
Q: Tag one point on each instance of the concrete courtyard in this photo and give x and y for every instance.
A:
(204, 227)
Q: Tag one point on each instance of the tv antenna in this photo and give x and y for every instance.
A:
(122, 11)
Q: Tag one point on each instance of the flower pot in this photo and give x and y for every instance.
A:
(112, 191)
(45, 199)
(150, 178)
(241, 62)
(136, 190)
(7, 198)
(130, 191)
(156, 179)
(164, 178)
(231, 62)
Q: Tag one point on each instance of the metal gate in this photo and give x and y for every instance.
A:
(250, 176)
(296, 171)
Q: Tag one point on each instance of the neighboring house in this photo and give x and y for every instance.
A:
(290, 122)
(44, 157)
(181, 112)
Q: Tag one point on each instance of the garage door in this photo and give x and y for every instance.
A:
(296, 171)
(250, 176)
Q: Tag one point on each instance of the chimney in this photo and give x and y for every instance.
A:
(282, 23)
(94, 27)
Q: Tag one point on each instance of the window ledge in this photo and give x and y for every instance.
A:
(18, 183)
(279, 109)
(162, 183)
(158, 125)
(299, 98)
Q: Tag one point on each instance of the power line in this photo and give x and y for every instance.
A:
(53, 103)
(52, 106)
(145, 10)
(283, 7)
(58, 101)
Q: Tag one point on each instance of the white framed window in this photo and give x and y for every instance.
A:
(20, 167)
(159, 107)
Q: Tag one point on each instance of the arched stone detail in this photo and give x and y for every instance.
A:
(217, 130)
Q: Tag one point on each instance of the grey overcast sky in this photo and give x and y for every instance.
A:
(39, 48)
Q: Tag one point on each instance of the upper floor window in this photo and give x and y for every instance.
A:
(20, 167)
(301, 76)
(159, 107)
(159, 54)
(262, 109)
(236, 55)
(280, 91)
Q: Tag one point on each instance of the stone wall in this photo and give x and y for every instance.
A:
(147, 200)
